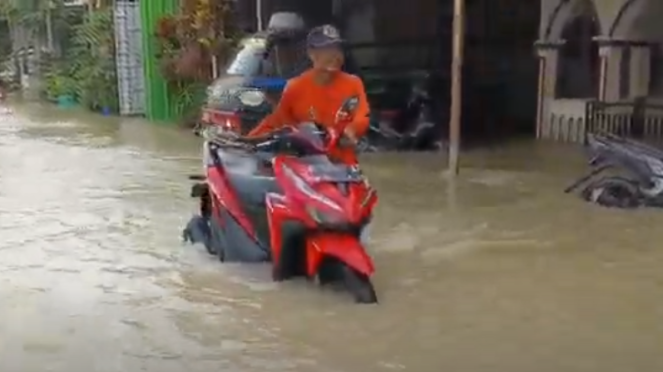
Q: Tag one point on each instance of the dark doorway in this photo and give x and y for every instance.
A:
(500, 69)
(578, 72)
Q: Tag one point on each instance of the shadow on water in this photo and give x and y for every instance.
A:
(498, 272)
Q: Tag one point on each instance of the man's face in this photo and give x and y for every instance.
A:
(327, 59)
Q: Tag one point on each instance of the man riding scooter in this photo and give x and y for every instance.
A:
(316, 94)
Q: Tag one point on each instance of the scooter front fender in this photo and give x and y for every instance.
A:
(345, 247)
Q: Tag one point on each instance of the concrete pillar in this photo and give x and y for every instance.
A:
(611, 52)
(640, 70)
(637, 75)
(548, 53)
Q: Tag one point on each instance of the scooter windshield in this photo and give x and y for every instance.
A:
(256, 58)
(326, 171)
(250, 58)
(311, 137)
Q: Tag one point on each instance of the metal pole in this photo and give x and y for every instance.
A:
(540, 92)
(49, 28)
(456, 85)
(259, 14)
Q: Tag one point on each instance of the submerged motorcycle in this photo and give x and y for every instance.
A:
(412, 128)
(640, 179)
(280, 198)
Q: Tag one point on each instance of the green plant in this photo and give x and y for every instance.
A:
(33, 25)
(92, 61)
(191, 40)
(58, 83)
(43, 21)
(189, 44)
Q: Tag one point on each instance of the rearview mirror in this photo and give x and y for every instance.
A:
(350, 105)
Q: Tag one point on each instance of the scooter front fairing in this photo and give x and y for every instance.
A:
(331, 202)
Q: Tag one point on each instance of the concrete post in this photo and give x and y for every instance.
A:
(610, 78)
(548, 53)
(640, 70)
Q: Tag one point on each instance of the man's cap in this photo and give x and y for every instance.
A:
(323, 36)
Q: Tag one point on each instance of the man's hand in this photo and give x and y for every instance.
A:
(342, 116)
(350, 133)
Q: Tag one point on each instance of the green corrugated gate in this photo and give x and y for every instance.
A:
(157, 99)
(160, 104)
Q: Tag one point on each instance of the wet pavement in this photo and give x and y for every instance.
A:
(500, 272)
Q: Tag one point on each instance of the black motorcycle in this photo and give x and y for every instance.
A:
(414, 127)
(640, 173)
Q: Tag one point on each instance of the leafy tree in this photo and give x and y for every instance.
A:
(92, 61)
(88, 71)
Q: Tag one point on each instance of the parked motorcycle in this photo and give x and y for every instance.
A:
(640, 182)
(280, 198)
(411, 128)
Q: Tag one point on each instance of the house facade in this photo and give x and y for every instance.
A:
(387, 38)
(605, 51)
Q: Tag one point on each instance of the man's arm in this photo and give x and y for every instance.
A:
(281, 116)
(361, 121)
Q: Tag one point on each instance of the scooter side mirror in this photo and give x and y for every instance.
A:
(345, 112)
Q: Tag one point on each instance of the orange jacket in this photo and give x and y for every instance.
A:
(304, 100)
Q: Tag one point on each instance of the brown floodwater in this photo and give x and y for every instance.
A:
(497, 272)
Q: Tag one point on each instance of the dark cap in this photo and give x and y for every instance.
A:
(323, 36)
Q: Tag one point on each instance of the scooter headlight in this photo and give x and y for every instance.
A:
(219, 92)
(252, 98)
(308, 190)
(321, 217)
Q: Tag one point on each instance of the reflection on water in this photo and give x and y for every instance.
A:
(510, 275)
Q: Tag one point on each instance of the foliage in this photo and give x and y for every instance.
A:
(58, 82)
(5, 40)
(42, 19)
(88, 71)
(190, 42)
(8, 10)
(38, 32)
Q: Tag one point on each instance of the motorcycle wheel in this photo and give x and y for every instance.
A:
(359, 285)
(613, 192)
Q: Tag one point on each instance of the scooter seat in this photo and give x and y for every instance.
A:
(251, 188)
(246, 175)
(238, 161)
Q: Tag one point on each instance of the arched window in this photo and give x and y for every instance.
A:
(578, 66)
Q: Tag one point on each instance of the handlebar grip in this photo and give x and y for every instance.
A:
(262, 146)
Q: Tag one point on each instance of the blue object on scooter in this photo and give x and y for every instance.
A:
(267, 83)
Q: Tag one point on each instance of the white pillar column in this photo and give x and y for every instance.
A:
(611, 52)
(640, 70)
(548, 53)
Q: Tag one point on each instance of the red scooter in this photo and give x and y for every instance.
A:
(282, 199)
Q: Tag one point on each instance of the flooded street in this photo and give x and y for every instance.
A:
(501, 273)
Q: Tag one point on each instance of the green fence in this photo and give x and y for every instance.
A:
(160, 105)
